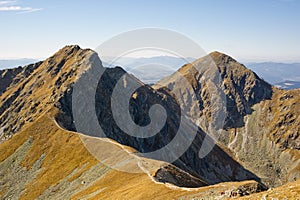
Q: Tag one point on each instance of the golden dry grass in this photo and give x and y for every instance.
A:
(64, 152)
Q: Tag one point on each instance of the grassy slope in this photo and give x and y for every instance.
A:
(64, 152)
(65, 157)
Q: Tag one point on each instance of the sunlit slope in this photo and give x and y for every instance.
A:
(44, 161)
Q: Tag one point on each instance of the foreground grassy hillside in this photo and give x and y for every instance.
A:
(44, 161)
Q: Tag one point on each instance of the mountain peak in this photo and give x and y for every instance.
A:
(70, 50)
(50, 79)
(243, 88)
(71, 47)
(219, 57)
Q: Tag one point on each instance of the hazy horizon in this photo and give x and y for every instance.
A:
(249, 61)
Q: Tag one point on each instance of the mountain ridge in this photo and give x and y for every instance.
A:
(48, 88)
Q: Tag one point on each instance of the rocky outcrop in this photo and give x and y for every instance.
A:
(171, 174)
(7, 76)
(10, 77)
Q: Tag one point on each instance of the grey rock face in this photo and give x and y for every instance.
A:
(261, 126)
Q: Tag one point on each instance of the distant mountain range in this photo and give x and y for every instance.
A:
(11, 63)
(274, 73)
(288, 85)
(150, 70)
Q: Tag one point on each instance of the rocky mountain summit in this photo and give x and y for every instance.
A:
(261, 127)
(45, 147)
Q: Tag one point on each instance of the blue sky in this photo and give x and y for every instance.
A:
(249, 30)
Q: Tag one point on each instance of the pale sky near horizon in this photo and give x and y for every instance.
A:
(249, 30)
